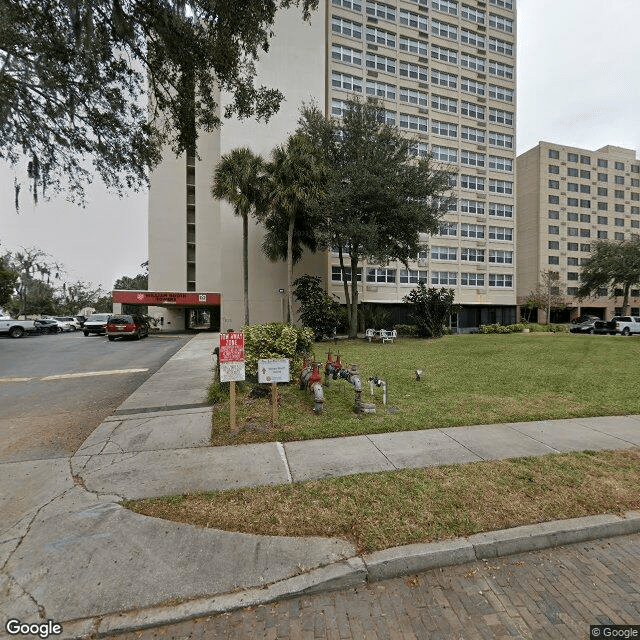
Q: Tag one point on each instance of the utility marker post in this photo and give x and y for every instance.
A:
(232, 368)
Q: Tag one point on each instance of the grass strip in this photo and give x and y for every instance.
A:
(466, 380)
(381, 510)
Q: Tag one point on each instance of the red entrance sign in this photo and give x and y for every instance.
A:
(231, 347)
(166, 297)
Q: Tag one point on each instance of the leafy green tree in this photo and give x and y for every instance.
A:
(35, 269)
(8, 283)
(104, 304)
(612, 265)
(294, 180)
(547, 295)
(75, 77)
(432, 309)
(72, 297)
(317, 309)
(238, 180)
(139, 282)
(378, 197)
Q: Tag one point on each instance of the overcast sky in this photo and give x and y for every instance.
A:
(578, 84)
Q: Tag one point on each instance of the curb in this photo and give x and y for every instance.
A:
(380, 565)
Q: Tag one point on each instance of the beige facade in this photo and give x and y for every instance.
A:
(568, 199)
(445, 72)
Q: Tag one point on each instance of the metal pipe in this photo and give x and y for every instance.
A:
(318, 397)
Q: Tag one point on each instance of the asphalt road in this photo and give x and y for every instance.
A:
(55, 390)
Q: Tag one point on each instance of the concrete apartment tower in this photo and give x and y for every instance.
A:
(568, 199)
(445, 72)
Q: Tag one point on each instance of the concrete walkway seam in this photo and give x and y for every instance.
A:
(356, 571)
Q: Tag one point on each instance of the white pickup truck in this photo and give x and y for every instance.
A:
(15, 328)
(626, 325)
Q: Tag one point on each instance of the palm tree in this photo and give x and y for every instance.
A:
(295, 177)
(237, 179)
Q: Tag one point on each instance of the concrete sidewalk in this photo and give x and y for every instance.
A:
(69, 551)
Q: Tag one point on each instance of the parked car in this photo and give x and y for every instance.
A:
(132, 326)
(585, 318)
(604, 327)
(586, 326)
(47, 325)
(64, 326)
(15, 328)
(81, 320)
(97, 323)
(72, 321)
(626, 325)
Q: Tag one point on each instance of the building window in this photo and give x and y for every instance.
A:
(500, 140)
(414, 71)
(448, 229)
(472, 279)
(444, 154)
(554, 168)
(602, 206)
(379, 10)
(572, 291)
(354, 5)
(381, 275)
(500, 93)
(504, 117)
(472, 134)
(603, 220)
(618, 236)
(472, 230)
(554, 154)
(554, 260)
(602, 235)
(554, 215)
(346, 55)
(585, 188)
(472, 14)
(585, 175)
(503, 4)
(554, 199)
(472, 39)
(444, 54)
(572, 202)
(603, 163)
(585, 233)
(346, 27)
(554, 245)
(413, 123)
(554, 230)
(472, 207)
(472, 159)
(444, 29)
(381, 63)
(412, 276)
(585, 204)
(444, 104)
(446, 6)
(500, 46)
(444, 277)
(603, 177)
(346, 82)
(500, 164)
(444, 253)
(504, 280)
(471, 182)
(500, 233)
(585, 247)
(572, 216)
(554, 184)
(419, 149)
(471, 255)
(500, 186)
(500, 22)
(572, 231)
(619, 166)
(603, 191)
(417, 47)
(572, 262)
(585, 159)
(444, 129)
(381, 89)
(619, 222)
(338, 108)
(501, 257)
(411, 19)
(336, 274)
(585, 217)
(386, 38)
(572, 172)
(572, 246)
(572, 186)
(470, 61)
(411, 96)
(471, 86)
(500, 69)
(444, 79)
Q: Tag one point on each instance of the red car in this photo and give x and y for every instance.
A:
(133, 326)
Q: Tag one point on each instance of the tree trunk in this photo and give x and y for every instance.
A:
(353, 321)
(245, 264)
(625, 300)
(292, 219)
(345, 284)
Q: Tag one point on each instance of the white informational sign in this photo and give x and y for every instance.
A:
(231, 371)
(273, 370)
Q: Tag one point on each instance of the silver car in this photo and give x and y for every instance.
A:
(97, 323)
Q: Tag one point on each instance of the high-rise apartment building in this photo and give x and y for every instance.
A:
(568, 199)
(444, 71)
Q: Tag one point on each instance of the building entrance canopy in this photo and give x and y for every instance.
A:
(166, 298)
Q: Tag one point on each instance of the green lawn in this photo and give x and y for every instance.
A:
(466, 380)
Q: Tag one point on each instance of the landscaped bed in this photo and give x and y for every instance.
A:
(383, 510)
(466, 380)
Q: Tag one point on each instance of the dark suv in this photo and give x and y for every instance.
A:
(133, 326)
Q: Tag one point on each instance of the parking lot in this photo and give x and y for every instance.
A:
(55, 389)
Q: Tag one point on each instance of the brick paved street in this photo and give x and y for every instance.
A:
(555, 593)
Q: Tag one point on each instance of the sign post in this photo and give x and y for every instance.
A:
(273, 371)
(232, 368)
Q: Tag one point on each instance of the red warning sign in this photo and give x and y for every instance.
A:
(231, 347)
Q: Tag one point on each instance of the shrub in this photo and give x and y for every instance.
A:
(502, 328)
(406, 330)
(557, 328)
(275, 340)
(317, 309)
(373, 316)
(432, 309)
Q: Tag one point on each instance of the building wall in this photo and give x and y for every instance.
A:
(568, 199)
(466, 50)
